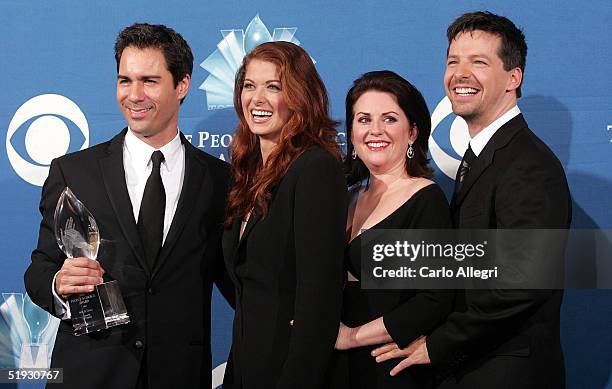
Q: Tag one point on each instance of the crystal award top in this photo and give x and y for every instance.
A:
(76, 230)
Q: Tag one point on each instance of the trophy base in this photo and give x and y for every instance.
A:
(101, 309)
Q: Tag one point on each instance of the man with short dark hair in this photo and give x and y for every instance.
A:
(158, 202)
(508, 179)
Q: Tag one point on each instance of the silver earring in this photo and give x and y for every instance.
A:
(354, 154)
(410, 152)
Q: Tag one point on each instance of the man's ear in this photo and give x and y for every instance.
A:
(183, 86)
(515, 80)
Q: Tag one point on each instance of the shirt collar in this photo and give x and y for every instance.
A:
(140, 152)
(481, 139)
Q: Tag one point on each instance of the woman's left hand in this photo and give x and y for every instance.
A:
(415, 354)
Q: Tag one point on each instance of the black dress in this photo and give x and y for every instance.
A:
(407, 314)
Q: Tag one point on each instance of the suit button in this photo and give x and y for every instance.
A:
(138, 344)
(151, 291)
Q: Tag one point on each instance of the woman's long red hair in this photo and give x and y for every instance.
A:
(309, 124)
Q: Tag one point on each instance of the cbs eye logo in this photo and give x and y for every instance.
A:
(457, 139)
(46, 121)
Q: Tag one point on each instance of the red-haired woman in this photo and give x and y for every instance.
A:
(286, 214)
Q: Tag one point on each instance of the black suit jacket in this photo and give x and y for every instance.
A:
(288, 267)
(507, 338)
(169, 305)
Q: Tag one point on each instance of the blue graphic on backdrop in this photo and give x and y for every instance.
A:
(27, 333)
(457, 134)
(223, 63)
(217, 375)
(47, 136)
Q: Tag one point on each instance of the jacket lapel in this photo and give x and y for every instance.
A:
(234, 242)
(233, 245)
(191, 193)
(253, 219)
(113, 175)
(230, 248)
(499, 140)
(251, 223)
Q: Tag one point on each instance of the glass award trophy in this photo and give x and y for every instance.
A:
(77, 235)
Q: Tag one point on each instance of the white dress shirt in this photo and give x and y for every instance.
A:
(481, 139)
(137, 165)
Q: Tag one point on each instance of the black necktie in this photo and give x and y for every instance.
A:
(152, 210)
(464, 168)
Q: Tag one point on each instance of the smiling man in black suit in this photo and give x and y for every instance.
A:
(508, 179)
(158, 202)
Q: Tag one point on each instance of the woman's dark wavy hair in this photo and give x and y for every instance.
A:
(309, 124)
(414, 107)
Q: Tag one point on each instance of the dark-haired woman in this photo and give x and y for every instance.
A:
(285, 223)
(388, 126)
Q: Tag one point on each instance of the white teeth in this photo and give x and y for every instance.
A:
(377, 144)
(466, 91)
(255, 112)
